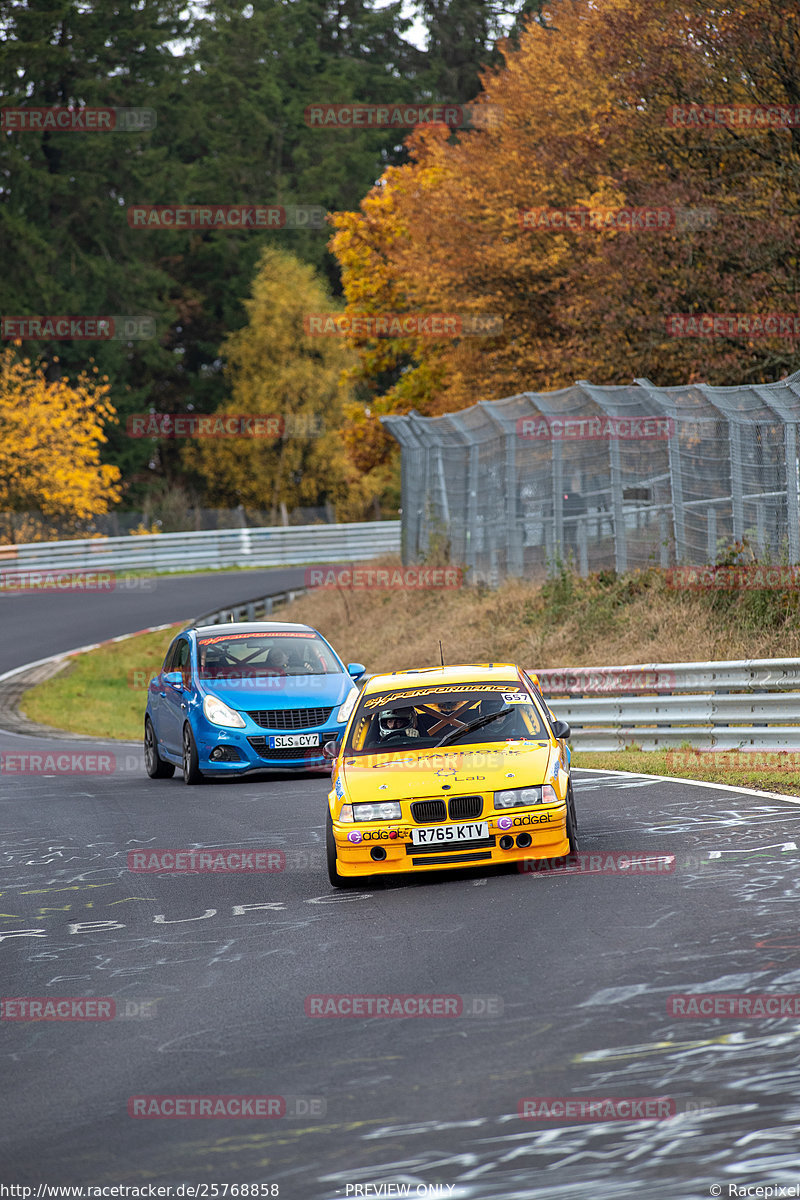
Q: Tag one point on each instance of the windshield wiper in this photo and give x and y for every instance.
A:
(451, 737)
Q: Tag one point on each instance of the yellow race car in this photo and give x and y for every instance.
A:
(448, 767)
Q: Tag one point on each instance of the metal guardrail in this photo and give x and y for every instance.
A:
(273, 546)
(750, 704)
(259, 609)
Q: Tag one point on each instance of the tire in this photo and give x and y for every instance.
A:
(572, 821)
(337, 880)
(191, 770)
(153, 762)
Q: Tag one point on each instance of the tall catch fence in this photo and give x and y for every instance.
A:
(603, 477)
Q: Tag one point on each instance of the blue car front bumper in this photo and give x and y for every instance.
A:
(236, 751)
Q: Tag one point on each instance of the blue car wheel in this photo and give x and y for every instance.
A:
(191, 769)
(154, 764)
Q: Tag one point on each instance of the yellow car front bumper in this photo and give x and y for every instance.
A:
(385, 847)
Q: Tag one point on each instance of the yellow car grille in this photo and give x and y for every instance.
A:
(458, 808)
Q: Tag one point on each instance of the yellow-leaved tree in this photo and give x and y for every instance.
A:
(51, 432)
(281, 370)
(603, 109)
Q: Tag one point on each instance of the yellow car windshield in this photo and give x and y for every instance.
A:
(423, 717)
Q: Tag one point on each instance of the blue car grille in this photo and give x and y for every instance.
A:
(290, 718)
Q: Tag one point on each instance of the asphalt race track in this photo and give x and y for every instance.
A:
(212, 975)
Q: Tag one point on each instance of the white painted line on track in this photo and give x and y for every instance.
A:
(723, 787)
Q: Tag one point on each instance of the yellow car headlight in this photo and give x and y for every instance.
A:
(518, 797)
(386, 810)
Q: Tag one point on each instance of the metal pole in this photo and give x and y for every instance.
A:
(737, 490)
(620, 542)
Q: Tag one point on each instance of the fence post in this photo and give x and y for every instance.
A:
(792, 499)
(557, 545)
(737, 490)
(663, 542)
(676, 482)
(712, 534)
(583, 549)
(620, 536)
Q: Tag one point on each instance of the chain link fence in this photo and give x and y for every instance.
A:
(603, 477)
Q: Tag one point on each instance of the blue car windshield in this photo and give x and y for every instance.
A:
(238, 656)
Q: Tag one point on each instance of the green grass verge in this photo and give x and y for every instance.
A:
(775, 771)
(102, 692)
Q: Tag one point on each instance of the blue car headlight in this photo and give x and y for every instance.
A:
(349, 704)
(219, 713)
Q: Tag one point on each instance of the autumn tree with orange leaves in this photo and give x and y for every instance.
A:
(50, 438)
(591, 119)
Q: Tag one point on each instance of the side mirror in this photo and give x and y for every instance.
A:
(331, 749)
(355, 669)
(174, 679)
(561, 729)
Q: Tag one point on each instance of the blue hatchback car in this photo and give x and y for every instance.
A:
(246, 696)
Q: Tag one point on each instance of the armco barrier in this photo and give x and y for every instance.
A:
(273, 546)
(259, 609)
(735, 705)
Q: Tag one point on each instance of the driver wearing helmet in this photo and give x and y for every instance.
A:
(397, 722)
(278, 659)
(212, 662)
(503, 727)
